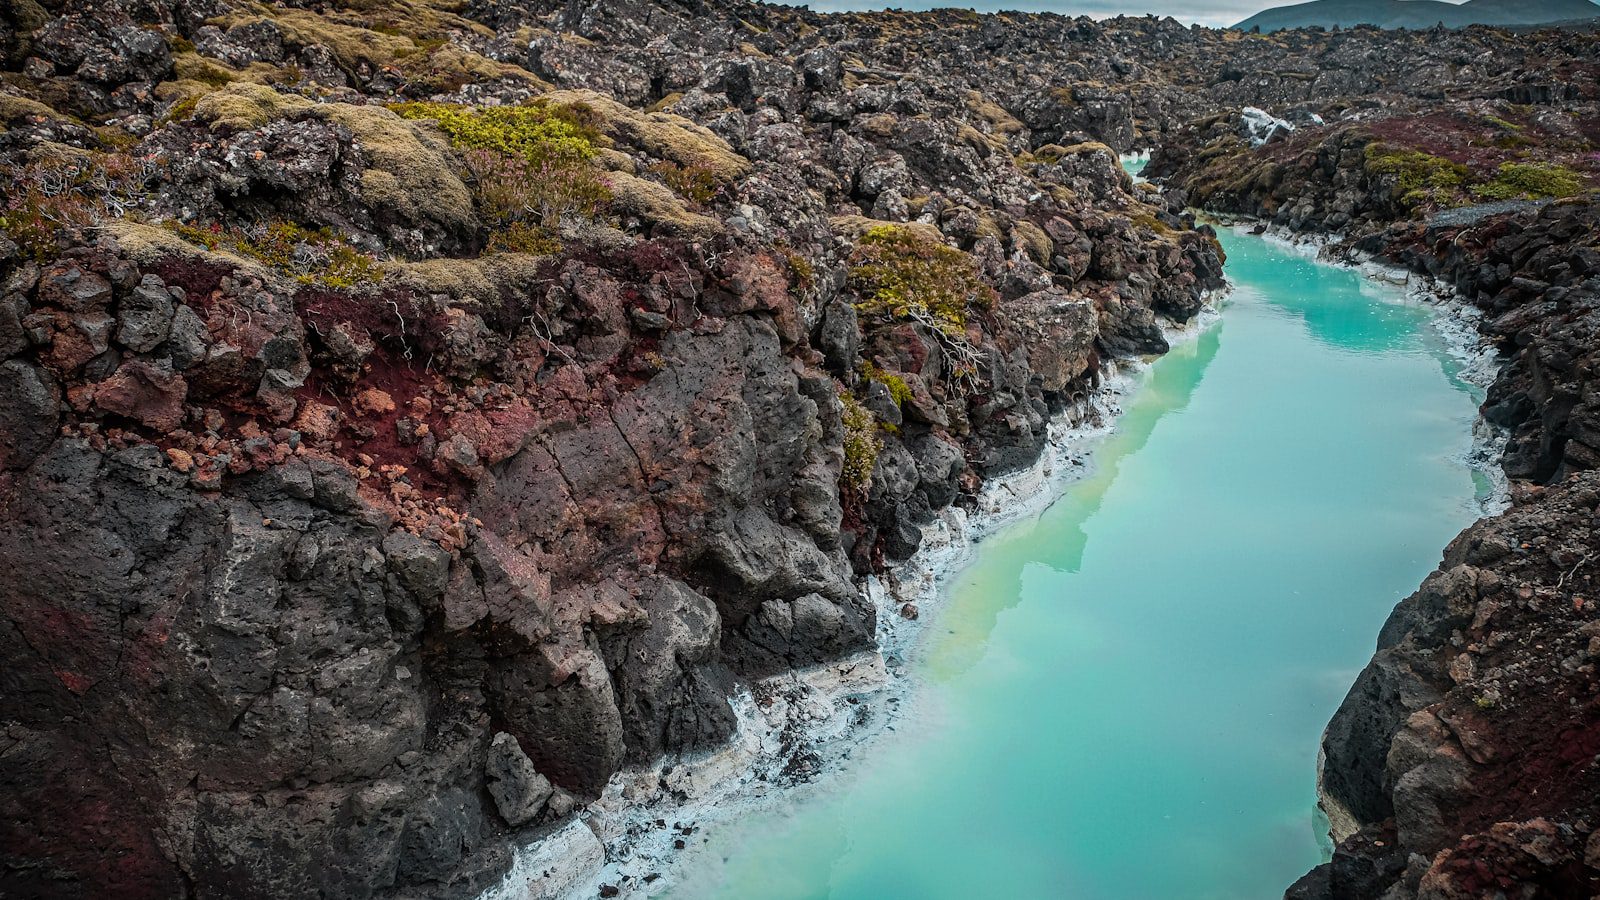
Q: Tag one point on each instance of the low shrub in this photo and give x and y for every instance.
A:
(312, 255)
(520, 237)
(510, 189)
(73, 190)
(695, 182)
(901, 273)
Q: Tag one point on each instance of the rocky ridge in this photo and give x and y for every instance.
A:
(405, 428)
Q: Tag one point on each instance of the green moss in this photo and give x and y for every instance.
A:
(243, 105)
(522, 237)
(14, 109)
(898, 389)
(805, 274)
(538, 133)
(1502, 124)
(1419, 177)
(694, 183)
(1531, 181)
(861, 443)
(1151, 222)
(193, 67)
(179, 111)
(902, 273)
(311, 255)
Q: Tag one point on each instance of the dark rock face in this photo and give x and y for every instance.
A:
(345, 548)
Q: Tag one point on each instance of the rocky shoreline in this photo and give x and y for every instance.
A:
(1460, 763)
(645, 824)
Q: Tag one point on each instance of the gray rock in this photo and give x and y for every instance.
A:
(29, 410)
(519, 791)
(145, 316)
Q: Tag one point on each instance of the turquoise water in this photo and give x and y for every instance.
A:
(1122, 699)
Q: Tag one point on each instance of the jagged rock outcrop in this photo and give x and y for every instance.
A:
(381, 477)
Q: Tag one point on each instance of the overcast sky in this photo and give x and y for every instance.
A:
(1205, 12)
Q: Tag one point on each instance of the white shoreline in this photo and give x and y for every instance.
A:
(835, 708)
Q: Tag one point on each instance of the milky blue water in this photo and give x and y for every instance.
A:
(1122, 699)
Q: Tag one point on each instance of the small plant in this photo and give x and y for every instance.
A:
(179, 111)
(802, 272)
(520, 237)
(70, 191)
(695, 183)
(510, 188)
(210, 238)
(531, 166)
(861, 443)
(1534, 181)
(314, 256)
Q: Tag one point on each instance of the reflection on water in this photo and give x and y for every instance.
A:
(1167, 391)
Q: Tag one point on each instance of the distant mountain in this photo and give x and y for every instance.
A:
(1419, 14)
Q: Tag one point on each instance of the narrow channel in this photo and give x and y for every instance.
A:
(1122, 698)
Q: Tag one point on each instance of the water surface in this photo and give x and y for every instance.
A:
(1122, 699)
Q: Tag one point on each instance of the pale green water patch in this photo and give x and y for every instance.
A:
(1123, 697)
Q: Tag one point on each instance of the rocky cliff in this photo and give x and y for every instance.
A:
(411, 414)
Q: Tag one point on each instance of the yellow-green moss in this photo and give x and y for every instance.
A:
(350, 45)
(411, 168)
(194, 67)
(279, 246)
(1419, 177)
(242, 104)
(661, 135)
(654, 204)
(539, 132)
(861, 443)
(478, 280)
(1032, 239)
(14, 109)
(1149, 221)
(901, 273)
(898, 389)
(448, 67)
(1535, 181)
(999, 121)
